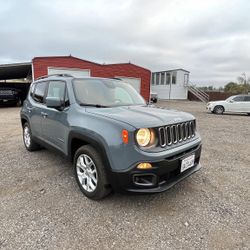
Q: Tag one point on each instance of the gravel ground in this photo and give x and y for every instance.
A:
(41, 206)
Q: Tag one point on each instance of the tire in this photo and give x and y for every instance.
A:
(219, 110)
(19, 103)
(29, 143)
(90, 173)
(248, 113)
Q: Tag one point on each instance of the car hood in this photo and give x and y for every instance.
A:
(143, 116)
(217, 102)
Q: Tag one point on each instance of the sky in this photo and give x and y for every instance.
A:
(209, 38)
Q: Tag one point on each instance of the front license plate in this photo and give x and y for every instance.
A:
(187, 163)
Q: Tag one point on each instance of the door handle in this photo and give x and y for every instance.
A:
(44, 115)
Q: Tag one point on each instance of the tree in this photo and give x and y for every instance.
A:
(234, 88)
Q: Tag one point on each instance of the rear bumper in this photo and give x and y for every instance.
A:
(163, 175)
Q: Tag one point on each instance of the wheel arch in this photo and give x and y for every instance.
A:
(77, 140)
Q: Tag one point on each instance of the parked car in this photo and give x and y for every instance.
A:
(153, 97)
(114, 139)
(10, 96)
(236, 103)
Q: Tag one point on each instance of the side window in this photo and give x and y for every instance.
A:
(247, 98)
(57, 89)
(39, 91)
(239, 99)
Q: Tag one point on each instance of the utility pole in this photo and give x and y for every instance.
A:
(245, 81)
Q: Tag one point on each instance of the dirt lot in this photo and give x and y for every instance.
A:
(41, 206)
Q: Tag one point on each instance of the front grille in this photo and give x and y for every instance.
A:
(176, 133)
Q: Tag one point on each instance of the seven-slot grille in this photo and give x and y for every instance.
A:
(176, 133)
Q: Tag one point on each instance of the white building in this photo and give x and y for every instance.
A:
(170, 84)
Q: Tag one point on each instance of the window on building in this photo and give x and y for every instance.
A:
(157, 78)
(162, 78)
(40, 91)
(153, 79)
(168, 78)
(186, 78)
(174, 78)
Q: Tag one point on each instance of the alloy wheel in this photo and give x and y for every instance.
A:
(86, 173)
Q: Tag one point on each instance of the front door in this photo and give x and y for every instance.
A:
(236, 104)
(54, 122)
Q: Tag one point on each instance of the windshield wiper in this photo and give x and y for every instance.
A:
(93, 105)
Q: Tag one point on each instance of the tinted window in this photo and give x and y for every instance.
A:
(40, 91)
(239, 99)
(247, 98)
(56, 89)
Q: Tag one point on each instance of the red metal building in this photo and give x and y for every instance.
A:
(137, 76)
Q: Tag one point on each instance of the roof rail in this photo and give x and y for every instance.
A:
(116, 78)
(60, 75)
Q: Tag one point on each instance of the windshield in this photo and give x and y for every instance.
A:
(105, 92)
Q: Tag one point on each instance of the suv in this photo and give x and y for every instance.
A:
(10, 95)
(114, 139)
(236, 103)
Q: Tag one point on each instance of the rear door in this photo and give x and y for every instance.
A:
(36, 106)
(54, 122)
(247, 104)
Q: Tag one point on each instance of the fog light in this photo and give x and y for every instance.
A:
(144, 165)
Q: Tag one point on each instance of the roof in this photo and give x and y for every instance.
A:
(15, 70)
(99, 64)
(171, 70)
(22, 70)
(45, 57)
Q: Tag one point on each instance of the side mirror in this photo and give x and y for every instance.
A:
(231, 101)
(54, 102)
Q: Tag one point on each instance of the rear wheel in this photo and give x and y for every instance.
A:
(28, 140)
(90, 173)
(219, 110)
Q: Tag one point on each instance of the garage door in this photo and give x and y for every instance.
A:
(70, 71)
(135, 82)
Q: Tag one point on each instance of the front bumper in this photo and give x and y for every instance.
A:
(162, 176)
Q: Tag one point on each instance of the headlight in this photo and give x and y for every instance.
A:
(144, 137)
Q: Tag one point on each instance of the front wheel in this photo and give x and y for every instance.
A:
(219, 110)
(90, 173)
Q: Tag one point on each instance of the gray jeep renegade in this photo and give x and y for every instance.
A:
(115, 140)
